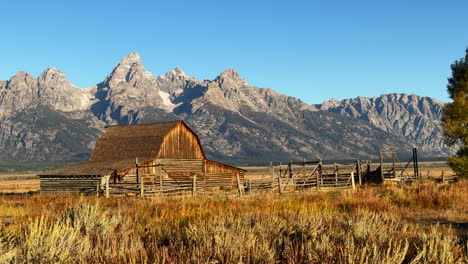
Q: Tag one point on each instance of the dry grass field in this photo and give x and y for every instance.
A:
(417, 223)
(18, 183)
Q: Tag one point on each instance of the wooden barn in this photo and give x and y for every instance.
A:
(144, 159)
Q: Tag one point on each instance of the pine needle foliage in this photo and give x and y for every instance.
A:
(455, 116)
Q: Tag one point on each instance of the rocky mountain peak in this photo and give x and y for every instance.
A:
(174, 75)
(52, 77)
(230, 78)
(174, 81)
(178, 72)
(21, 79)
(130, 59)
(124, 93)
(129, 70)
(330, 103)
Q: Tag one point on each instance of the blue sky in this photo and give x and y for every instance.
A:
(313, 50)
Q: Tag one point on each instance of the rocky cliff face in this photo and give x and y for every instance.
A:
(51, 88)
(126, 92)
(49, 119)
(412, 117)
(45, 118)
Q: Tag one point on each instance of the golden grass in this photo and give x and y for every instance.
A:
(19, 186)
(18, 183)
(420, 223)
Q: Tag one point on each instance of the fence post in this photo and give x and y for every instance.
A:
(317, 176)
(359, 172)
(142, 187)
(381, 166)
(303, 167)
(320, 176)
(250, 185)
(272, 170)
(416, 162)
(160, 180)
(194, 185)
(97, 189)
(352, 181)
(336, 174)
(290, 169)
(107, 186)
(280, 187)
(136, 170)
(280, 170)
(239, 187)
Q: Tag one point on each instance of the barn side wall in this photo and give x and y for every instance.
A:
(71, 184)
(222, 172)
(181, 143)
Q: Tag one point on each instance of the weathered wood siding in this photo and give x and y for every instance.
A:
(218, 170)
(181, 143)
(70, 184)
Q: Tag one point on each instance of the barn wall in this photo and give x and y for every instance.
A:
(212, 169)
(83, 184)
(181, 143)
(169, 168)
(208, 172)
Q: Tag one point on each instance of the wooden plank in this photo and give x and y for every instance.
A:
(194, 185)
(359, 171)
(239, 184)
(107, 186)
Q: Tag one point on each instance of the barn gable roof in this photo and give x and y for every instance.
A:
(130, 141)
(118, 147)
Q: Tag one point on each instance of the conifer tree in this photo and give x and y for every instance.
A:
(455, 116)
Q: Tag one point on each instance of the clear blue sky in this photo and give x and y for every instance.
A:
(314, 50)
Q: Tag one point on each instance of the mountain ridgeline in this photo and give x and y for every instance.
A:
(48, 119)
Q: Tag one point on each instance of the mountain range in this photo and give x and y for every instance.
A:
(48, 119)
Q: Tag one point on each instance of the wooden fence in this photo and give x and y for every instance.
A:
(303, 177)
(307, 176)
(150, 186)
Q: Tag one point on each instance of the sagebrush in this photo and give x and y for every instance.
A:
(421, 223)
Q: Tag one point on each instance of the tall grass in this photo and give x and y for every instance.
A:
(397, 224)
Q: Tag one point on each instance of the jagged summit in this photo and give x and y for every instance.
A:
(130, 70)
(175, 73)
(230, 78)
(130, 59)
(52, 70)
(174, 81)
(52, 76)
(230, 73)
(22, 73)
(178, 71)
(20, 79)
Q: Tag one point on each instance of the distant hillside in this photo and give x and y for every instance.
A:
(47, 119)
